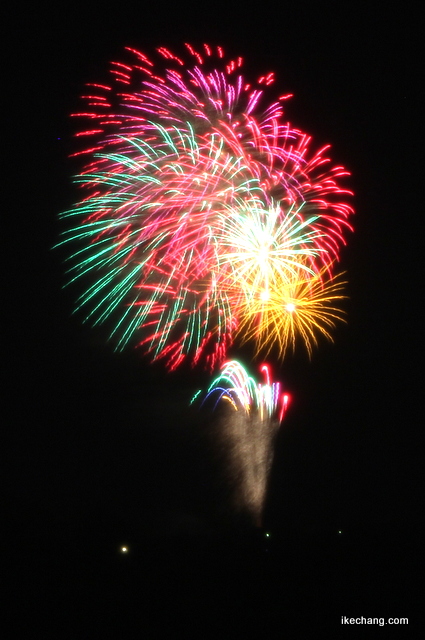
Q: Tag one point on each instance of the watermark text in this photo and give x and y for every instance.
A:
(380, 621)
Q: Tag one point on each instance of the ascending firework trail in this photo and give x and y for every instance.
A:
(246, 427)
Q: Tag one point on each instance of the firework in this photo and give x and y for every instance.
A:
(237, 387)
(247, 428)
(196, 201)
(296, 308)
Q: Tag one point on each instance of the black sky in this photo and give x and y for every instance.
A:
(102, 448)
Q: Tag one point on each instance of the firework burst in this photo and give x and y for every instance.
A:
(292, 309)
(198, 201)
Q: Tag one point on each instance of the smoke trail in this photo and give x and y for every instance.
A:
(248, 419)
(247, 441)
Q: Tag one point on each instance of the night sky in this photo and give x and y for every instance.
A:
(102, 449)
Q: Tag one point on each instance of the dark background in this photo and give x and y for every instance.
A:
(103, 448)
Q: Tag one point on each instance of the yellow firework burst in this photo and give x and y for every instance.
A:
(292, 310)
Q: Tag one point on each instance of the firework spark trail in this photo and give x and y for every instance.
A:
(247, 428)
(198, 202)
